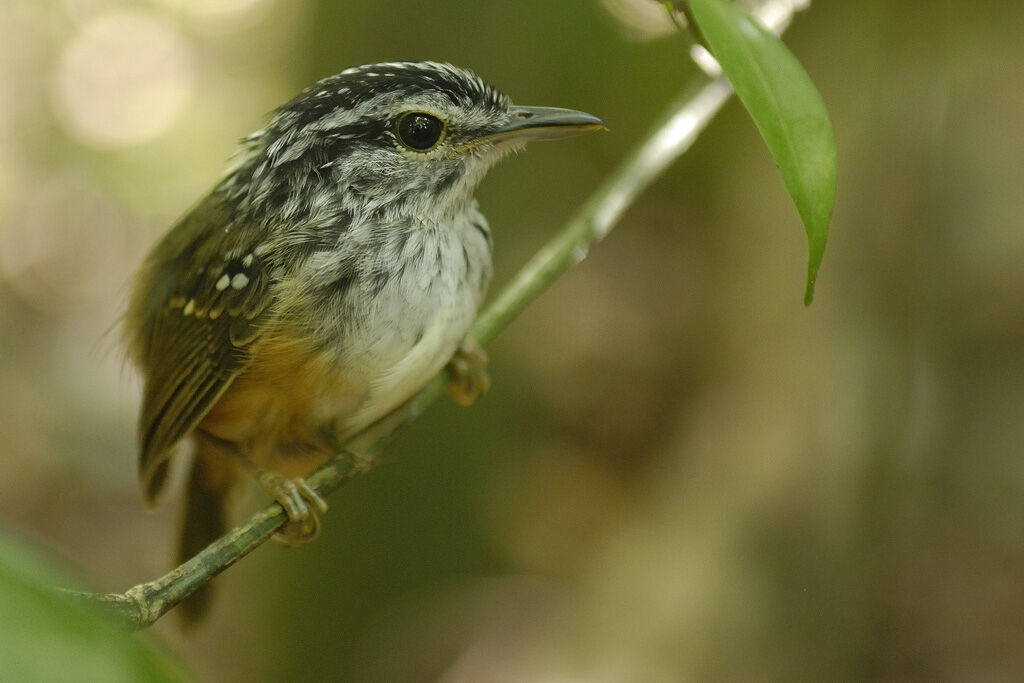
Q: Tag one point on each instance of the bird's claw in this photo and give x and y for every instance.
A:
(301, 503)
(469, 378)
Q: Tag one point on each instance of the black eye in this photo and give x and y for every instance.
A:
(419, 131)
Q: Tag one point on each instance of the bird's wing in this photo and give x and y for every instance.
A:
(196, 311)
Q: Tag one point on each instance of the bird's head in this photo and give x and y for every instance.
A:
(399, 138)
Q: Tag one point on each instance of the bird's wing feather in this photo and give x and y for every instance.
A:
(198, 309)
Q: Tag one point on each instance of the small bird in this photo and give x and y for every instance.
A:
(330, 275)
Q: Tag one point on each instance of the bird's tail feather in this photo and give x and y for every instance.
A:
(205, 517)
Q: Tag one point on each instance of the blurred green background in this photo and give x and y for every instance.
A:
(681, 473)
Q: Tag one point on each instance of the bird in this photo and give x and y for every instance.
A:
(334, 270)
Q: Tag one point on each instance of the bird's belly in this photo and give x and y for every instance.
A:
(372, 348)
(295, 404)
(279, 411)
(410, 328)
(406, 348)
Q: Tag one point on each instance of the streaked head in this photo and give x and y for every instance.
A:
(398, 137)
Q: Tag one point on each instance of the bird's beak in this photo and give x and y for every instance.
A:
(544, 123)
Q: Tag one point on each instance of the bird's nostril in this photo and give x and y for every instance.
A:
(524, 115)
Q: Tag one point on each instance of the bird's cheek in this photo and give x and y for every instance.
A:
(445, 178)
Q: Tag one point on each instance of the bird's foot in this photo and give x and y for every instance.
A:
(301, 503)
(469, 378)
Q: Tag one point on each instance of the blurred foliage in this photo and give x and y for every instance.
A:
(681, 473)
(46, 636)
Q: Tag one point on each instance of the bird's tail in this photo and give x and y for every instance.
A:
(206, 518)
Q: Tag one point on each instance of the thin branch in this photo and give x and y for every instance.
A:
(671, 136)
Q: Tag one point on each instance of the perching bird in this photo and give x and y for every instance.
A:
(331, 274)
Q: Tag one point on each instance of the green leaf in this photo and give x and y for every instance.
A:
(46, 635)
(787, 109)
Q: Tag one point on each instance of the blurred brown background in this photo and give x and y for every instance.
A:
(681, 473)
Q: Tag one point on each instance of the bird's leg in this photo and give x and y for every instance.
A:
(468, 368)
(301, 503)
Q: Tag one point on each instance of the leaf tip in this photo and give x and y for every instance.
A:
(812, 278)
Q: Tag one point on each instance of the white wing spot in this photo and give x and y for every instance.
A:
(247, 261)
(239, 280)
(223, 282)
(190, 307)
